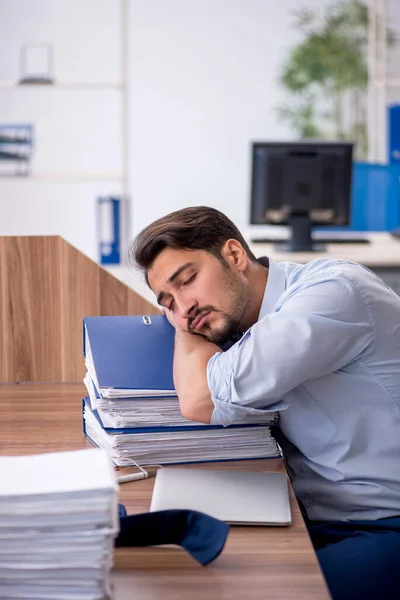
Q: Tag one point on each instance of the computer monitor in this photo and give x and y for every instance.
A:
(301, 184)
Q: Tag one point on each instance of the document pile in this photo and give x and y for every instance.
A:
(58, 520)
(132, 410)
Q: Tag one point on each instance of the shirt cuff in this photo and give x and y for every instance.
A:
(225, 411)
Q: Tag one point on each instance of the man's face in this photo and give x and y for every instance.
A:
(206, 296)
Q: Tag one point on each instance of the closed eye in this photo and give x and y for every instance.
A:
(189, 280)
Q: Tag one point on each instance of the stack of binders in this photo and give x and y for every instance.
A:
(58, 521)
(132, 410)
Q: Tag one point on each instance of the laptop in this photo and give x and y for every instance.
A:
(236, 497)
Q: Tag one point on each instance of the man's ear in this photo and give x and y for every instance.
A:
(235, 255)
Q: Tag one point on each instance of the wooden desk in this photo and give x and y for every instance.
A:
(256, 563)
(383, 251)
(381, 255)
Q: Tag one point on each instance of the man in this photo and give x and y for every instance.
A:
(322, 339)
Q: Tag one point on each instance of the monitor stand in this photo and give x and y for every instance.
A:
(300, 236)
(395, 233)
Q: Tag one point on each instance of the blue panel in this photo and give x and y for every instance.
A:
(394, 134)
(375, 198)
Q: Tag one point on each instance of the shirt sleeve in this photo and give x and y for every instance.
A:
(319, 328)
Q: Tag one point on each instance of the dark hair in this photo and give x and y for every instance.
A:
(193, 228)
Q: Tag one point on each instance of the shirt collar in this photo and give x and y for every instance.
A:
(276, 285)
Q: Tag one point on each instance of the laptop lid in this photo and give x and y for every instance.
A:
(236, 497)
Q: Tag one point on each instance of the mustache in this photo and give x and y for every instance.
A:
(198, 312)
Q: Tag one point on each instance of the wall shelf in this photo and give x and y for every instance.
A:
(16, 143)
(12, 85)
(67, 178)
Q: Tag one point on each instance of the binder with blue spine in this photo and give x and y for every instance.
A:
(174, 445)
(189, 426)
(130, 355)
(133, 411)
(154, 412)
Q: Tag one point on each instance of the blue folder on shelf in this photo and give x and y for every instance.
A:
(130, 356)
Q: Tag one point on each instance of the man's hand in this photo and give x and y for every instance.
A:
(170, 316)
(178, 324)
(191, 356)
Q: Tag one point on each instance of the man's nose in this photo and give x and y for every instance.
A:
(186, 307)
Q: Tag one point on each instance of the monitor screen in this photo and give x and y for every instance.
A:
(301, 184)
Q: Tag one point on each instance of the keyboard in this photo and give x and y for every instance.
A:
(319, 240)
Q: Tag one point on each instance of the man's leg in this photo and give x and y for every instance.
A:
(359, 563)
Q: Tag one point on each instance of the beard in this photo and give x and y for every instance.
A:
(227, 332)
(239, 295)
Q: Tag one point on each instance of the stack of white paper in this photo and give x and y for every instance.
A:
(163, 445)
(151, 411)
(58, 520)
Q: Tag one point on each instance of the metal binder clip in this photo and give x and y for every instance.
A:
(146, 320)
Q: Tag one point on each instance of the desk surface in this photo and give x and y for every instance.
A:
(257, 562)
(383, 251)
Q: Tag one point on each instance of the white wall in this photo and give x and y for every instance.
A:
(85, 35)
(202, 83)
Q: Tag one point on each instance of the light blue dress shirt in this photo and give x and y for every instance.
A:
(327, 343)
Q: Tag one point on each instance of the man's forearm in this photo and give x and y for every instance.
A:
(192, 353)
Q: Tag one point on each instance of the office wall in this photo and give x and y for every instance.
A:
(201, 84)
(203, 80)
(78, 120)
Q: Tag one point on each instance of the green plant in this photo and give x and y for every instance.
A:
(327, 74)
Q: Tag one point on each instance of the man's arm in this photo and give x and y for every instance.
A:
(318, 330)
(191, 356)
